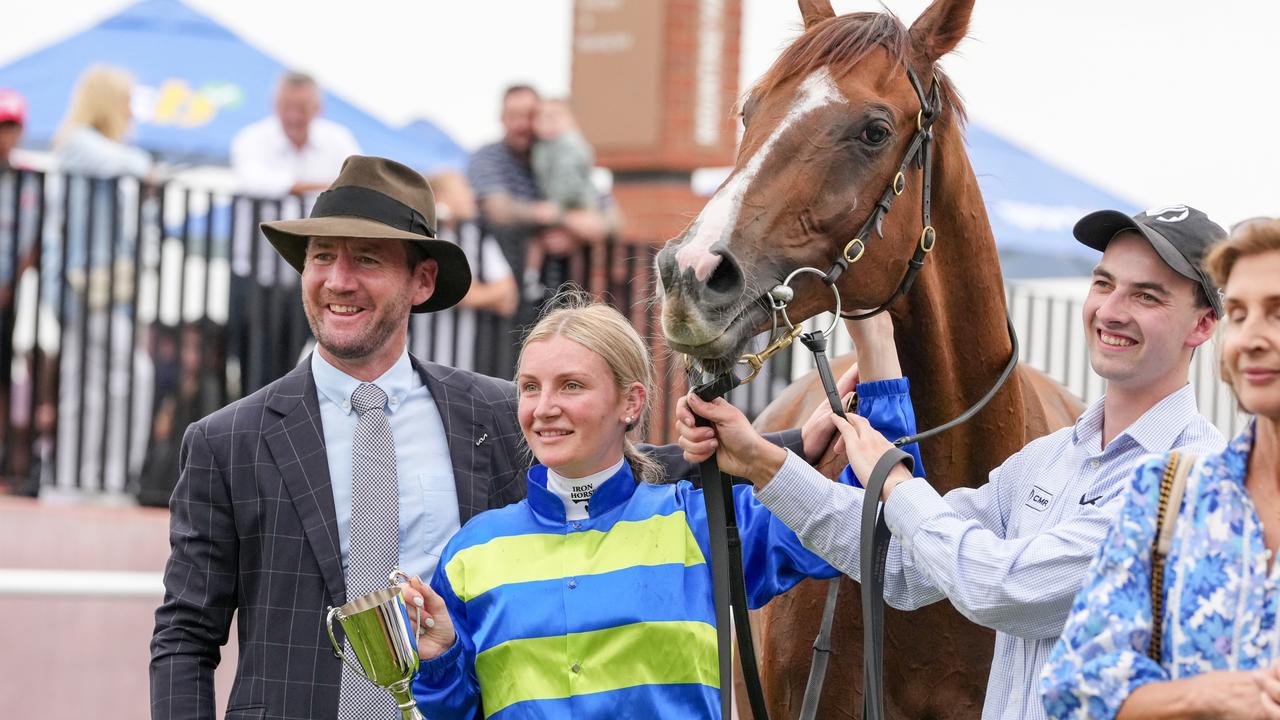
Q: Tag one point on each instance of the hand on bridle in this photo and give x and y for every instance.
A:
(817, 432)
(738, 448)
(864, 446)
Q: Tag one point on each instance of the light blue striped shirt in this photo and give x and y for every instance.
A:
(1010, 555)
(424, 471)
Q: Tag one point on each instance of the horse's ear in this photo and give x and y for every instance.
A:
(815, 11)
(940, 28)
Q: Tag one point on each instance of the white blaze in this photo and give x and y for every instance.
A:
(717, 219)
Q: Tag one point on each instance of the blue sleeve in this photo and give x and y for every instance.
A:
(886, 404)
(446, 687)
(773, 559)
(1101, 657)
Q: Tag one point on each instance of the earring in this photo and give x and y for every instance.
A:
(627, 420)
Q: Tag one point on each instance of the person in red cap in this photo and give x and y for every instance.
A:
(13, 115)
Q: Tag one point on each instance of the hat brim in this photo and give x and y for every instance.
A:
(1096, 230)
(453, 276)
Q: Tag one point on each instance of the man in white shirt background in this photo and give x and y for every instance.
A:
(294, 151)
(281, 163)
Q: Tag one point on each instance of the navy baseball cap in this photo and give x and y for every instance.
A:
(1180, 235)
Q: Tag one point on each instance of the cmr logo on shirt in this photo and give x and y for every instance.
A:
(1039, 499)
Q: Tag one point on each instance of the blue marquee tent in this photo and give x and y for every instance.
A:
(447, 154)
(1033, 205)
(197, 85)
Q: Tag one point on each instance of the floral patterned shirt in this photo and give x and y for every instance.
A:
(1220, 598)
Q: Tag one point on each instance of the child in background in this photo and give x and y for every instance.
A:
(562, 161)
(562, 158)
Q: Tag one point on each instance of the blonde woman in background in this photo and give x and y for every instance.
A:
(90, 149)
(91, 140)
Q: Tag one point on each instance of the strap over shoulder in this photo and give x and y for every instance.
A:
(1172, 486)
(1172, 501)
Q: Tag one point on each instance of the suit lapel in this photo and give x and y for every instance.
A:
(297, 445)
(469, 430)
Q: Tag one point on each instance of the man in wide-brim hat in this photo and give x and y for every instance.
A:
(272, 511)
(359, 311)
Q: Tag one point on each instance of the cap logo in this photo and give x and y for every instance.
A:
(1169, 213)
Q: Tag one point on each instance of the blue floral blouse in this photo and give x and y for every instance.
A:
(1221, 600)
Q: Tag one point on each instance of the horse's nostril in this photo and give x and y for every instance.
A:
(667, 269)
(726, 279)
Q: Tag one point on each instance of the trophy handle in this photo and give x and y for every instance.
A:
(400, 577)
(337, 646)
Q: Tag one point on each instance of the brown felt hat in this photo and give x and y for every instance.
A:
(378, 199)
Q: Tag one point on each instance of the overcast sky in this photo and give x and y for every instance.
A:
(1159, 101)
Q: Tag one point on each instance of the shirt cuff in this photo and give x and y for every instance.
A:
(791, 494)
(884, 388)
(433, 671)
(910, 505)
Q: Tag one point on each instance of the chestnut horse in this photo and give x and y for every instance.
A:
(825, 131)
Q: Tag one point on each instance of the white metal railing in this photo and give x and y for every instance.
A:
(81, 583)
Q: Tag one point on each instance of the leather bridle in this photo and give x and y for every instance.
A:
(920, 152)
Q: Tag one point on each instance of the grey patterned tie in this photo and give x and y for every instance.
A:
(374, 540)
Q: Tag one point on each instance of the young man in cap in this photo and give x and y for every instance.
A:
(307, 493)
(1012, 554)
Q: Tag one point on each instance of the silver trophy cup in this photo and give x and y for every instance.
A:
(377, 626)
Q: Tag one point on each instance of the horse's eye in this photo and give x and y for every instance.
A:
(874, 134)
(747, 107)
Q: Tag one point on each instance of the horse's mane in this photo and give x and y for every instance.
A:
(841, 42)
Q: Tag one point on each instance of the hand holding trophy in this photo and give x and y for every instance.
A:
(385, 641)
(432, 624)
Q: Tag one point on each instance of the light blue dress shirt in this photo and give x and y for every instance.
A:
(428, 496)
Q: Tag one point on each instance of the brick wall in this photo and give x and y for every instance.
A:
(652, 182)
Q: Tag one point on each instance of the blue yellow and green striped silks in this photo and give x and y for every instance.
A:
(607, 617)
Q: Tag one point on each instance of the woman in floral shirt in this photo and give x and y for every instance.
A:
(1221, 640)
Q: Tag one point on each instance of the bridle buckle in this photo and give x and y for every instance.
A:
(862, 248)
(928, 238)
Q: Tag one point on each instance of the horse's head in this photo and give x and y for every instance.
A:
(825, 131)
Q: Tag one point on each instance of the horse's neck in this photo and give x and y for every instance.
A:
(951, 332)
